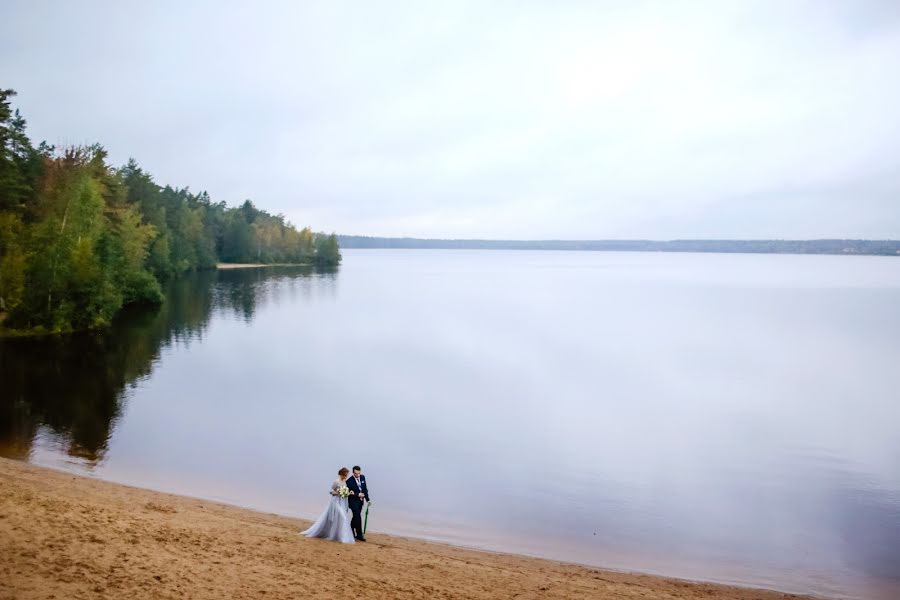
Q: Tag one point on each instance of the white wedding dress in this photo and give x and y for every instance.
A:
(334, 522)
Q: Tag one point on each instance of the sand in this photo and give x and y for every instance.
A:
(258, 265)
(64, 536)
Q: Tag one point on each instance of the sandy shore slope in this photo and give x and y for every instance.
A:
(257, 265)
(64, 536)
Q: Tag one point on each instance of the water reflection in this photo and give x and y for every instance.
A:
(71, 389)
(715, 417)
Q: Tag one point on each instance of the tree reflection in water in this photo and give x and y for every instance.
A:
(73, 387)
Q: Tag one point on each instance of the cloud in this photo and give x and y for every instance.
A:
(506, 120)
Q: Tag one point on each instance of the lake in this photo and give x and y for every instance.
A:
(733, 418)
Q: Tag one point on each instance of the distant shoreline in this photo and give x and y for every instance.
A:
(842, 247)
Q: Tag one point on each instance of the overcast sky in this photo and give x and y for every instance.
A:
(565, 120)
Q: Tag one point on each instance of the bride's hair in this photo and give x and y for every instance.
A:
(343, 471)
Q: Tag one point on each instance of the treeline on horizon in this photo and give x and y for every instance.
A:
(836, 246)
(80, 239)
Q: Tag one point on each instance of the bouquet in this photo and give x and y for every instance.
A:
(343, 491)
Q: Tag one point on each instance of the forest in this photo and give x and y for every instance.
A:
(80, 239)
(833, 246)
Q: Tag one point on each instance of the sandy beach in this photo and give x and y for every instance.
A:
(258, 265)
(65, 536)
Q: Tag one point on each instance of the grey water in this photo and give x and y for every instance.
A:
(732, 418)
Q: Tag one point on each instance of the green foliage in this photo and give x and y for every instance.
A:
(328, 253)
(13, 261)
(141, 287)
(80, 239)
(17, 157)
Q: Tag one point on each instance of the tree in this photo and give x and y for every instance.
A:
(17, 157)
(79, 239)
(13, 261)
(327, 251)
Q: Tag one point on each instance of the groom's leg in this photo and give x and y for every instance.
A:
(356, 521)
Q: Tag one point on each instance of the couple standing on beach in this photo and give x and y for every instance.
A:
(333, 523)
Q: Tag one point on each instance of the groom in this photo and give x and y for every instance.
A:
(357, 484)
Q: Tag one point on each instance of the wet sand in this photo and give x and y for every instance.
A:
(65, 536)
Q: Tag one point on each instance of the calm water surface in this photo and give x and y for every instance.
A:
(726, 417)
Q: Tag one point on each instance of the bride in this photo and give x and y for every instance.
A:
(333, 523)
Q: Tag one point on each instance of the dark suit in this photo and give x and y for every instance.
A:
(356, 503)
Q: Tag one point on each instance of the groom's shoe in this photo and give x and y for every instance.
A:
(361, 539)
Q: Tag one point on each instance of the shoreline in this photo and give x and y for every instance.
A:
(67, 535)
(259, 265)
